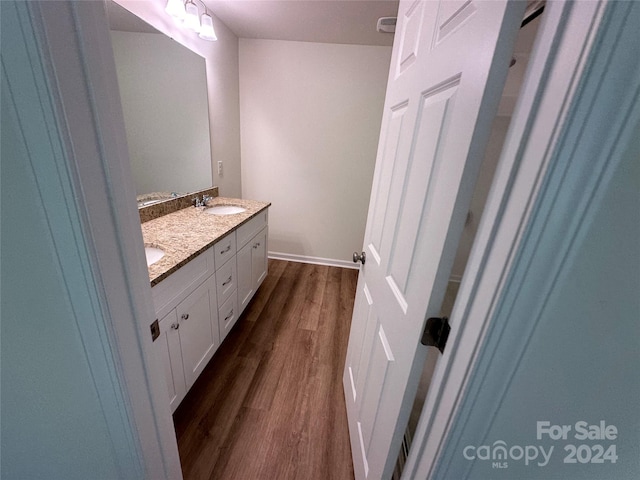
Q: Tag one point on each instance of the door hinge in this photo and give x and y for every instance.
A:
(436, 333)
(155, 330)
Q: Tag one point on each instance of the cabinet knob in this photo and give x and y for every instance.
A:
(175, 326)
(185, 316)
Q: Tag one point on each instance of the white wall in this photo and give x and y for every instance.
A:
(163, 88)
(222, 82)
(310, 121)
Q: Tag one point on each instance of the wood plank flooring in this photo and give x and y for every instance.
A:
(270, 404)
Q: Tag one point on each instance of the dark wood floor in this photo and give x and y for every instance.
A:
(270, 404)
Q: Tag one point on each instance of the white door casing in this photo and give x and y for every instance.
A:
(448, 68)
(72, 77)
(555, 103)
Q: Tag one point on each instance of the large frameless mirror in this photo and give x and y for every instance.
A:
(163, 89)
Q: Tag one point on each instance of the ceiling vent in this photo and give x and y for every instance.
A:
(386, 24)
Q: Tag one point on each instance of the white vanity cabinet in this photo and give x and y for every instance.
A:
(186, 303)
(252, 257)
(199, 303)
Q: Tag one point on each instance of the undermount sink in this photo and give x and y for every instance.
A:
(153, 254)
(225, 210)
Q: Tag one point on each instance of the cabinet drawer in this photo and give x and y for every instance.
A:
(173, 289)
(228, 315)
(248, 230)
(225, 249)
(226, 282)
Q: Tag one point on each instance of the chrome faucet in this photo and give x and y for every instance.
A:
(197, 202)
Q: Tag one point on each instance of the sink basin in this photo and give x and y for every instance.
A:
(153, 254)
(225, 210)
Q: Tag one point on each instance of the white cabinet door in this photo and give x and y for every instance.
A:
(252, 267)
(167, 348)
(199, 336)
(245, 279)
(259, 258)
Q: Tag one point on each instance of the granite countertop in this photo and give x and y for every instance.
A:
(185, 234)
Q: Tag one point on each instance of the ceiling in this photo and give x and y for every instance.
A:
(321, 21)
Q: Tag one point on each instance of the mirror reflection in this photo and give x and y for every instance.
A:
(163, 88)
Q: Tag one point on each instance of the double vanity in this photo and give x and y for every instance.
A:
(205, 265)
(205, 262)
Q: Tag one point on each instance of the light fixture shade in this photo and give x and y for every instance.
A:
(206, 31)
(192, 20)
(176, 9)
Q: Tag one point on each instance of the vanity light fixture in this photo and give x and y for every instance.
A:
(187, 11)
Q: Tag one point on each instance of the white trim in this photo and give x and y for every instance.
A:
(330, 262)
(583, 160)
(35, 111)
(558, 64)
(74, 41)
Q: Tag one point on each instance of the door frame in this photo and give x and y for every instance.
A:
(69, 42)
(107, 199)
(552, 99)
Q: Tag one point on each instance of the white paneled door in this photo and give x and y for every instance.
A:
(448, 67)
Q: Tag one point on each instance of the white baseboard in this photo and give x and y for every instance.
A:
(330, 262)
(290, 257)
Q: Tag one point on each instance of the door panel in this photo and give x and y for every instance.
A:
(410, 36)
(451, 16)
(378, 367)
(430, 149)
(425, 162)
(357, 337)
(388, 165)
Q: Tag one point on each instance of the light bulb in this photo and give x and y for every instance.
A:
(176, 9)
(206, 31)
(192, 20)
